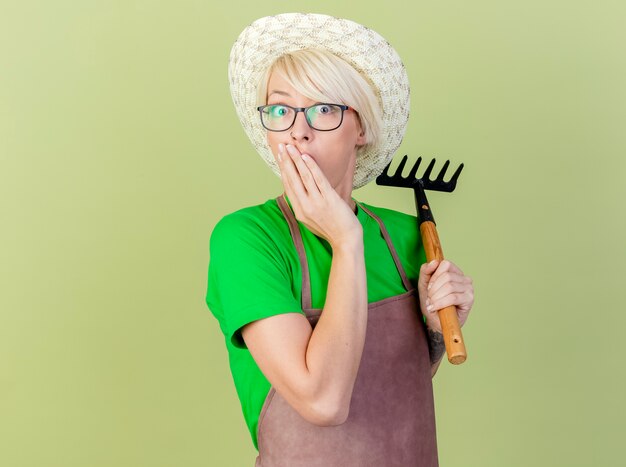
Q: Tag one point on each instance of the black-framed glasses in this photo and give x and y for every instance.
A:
(321, 117)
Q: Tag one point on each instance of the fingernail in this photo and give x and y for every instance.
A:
(429, 286)
(305, 157)
(429, 308)
(290, 148)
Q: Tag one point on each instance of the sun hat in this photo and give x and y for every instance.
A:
(267, 38)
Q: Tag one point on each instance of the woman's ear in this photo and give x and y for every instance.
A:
(361, 139)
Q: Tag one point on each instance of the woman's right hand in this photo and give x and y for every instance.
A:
(315, 202)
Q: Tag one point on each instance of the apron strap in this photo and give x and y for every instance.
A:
(294, 228)
(396, 259)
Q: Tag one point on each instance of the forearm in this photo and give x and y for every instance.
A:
(436, 349)
(336, 344)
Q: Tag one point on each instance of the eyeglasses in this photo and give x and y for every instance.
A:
(321, 117)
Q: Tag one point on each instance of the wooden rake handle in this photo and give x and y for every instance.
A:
(452, 336)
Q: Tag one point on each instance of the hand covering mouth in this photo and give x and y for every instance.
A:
(302, 151)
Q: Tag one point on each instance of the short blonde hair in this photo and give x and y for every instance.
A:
(323, 76)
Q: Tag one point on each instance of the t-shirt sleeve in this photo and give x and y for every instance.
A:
(248, 278)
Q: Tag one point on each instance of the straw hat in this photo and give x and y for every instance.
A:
(267, 38)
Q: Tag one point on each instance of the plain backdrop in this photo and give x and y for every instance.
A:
(120, 149)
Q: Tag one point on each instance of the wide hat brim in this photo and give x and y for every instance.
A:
(267, 38)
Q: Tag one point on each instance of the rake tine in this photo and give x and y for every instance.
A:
(413, 171)
(455, 176)
(442, 172)
(400, 168)
(385, 173)
(429, 169)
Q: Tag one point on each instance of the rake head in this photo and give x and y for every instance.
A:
(411, 181)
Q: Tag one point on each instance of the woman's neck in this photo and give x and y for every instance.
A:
(345, 192)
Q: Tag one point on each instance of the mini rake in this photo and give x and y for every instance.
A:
(455, 347)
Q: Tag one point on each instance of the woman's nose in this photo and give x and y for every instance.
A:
(300, 129)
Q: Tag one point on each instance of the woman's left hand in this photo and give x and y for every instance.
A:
(441, 285)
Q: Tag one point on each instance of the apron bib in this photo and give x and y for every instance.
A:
(392, 416)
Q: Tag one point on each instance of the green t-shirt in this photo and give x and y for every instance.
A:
(254, 272)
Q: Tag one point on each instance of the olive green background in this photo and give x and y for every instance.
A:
(120, 150)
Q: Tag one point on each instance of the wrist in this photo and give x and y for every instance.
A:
(350, 245)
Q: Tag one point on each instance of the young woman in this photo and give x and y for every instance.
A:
(327, 306)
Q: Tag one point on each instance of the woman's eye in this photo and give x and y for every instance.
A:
(278, 111)
(323, 109)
